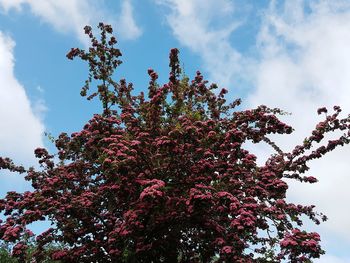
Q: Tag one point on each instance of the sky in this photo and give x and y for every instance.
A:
(292, 54)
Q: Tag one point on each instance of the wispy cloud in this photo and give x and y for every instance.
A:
(205, 28)
(72, 15)
(126, 24)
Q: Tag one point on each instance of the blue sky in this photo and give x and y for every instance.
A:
(292, 54)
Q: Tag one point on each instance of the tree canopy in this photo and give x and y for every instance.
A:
(165, 177)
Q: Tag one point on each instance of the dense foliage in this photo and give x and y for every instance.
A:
(165, 178)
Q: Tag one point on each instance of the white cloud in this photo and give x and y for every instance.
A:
(126, 24)
(73, 15)
(205, 28)
(305, 64)
(20, 129)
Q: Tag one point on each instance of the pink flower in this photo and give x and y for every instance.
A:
(288, 242)
(19, 249)
(227, 249)
(58, 254)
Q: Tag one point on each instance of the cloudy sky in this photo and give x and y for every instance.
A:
(291, 54)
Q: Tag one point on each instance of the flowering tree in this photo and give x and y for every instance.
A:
(165, 178)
